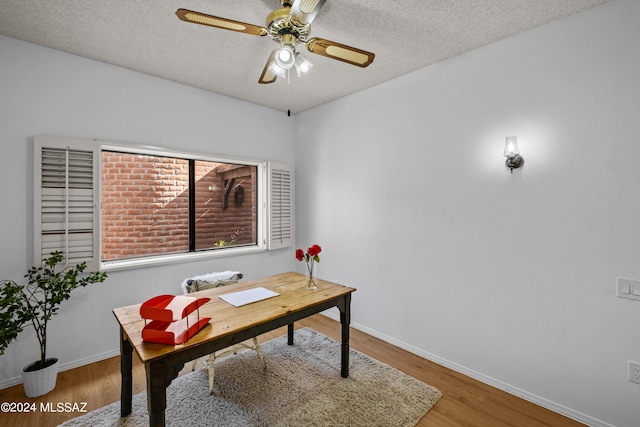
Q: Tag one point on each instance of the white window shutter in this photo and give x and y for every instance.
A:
(66, 200)
(281, 203)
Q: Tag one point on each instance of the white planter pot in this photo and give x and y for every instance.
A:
(40, 382)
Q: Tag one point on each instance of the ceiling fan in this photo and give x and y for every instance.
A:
(288, 26)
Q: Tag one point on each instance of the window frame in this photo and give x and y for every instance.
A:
(263, 203)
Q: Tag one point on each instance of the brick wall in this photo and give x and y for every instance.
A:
(145, 206)
(214, 223)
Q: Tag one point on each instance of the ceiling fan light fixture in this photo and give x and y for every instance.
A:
(288, 26)
(302, 64)
(285, 57)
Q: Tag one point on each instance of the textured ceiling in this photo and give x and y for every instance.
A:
(146, 36)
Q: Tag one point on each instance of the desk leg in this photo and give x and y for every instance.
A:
(156, 392)
(290, 334)
(126, 368)
(160, 373)
(345, 319)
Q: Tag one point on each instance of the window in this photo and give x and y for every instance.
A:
(155, 205)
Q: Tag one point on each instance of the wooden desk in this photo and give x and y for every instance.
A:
(229, 325)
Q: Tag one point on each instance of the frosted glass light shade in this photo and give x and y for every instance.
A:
(511, 147)
(285, 57)
(302, 64)
(277, 70)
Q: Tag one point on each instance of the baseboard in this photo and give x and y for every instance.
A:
(540, 401)
(9, 382)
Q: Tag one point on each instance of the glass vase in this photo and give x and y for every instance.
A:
(311, 277)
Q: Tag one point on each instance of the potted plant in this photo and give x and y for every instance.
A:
(34, 303)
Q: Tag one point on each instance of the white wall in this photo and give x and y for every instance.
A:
(510, 278)
(44, 91)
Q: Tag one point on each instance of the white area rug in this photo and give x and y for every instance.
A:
(301, 386)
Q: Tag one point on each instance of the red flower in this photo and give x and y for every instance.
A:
(311, 255)
(314, 250)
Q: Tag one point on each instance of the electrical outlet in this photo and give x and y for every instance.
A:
(634, 372)
(628, 288)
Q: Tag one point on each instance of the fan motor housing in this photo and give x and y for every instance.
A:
(279, 24)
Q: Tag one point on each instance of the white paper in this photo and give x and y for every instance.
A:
(247, 297)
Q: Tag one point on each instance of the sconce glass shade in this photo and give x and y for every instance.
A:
(512, 153)
(511, 147)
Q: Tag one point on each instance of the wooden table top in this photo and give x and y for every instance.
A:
(227, 319)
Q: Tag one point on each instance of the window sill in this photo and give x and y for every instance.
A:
(177, 258)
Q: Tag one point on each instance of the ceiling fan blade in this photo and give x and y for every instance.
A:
(340, 51)
(267, 75)
(304, 11)
(217, 22)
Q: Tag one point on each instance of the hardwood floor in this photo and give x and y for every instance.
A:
(465, 402)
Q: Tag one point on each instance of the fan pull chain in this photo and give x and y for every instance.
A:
(289, 92)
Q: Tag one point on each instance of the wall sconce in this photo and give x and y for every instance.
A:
(512, 153)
